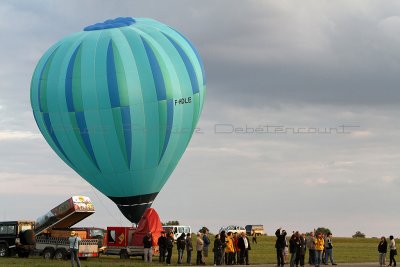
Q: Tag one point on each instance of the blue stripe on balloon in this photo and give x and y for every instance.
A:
(195, 52)
(50, 130)
(126, 124)
(41, 77)
(112, 77)
(156, 70)
(83, 130)
(188, 64)
(170, 120)
(68, 81)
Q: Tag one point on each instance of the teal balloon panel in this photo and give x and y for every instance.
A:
(119, 102)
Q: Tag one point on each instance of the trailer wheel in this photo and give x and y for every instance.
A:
(123, 254)
(48, 253)
(3, 250)
(60, 254)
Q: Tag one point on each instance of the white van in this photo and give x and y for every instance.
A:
(177, 230)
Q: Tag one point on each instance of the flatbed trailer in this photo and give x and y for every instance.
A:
(53, 230)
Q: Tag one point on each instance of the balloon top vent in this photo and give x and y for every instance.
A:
(111, 23)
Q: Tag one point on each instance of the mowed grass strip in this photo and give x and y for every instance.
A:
(346, 250)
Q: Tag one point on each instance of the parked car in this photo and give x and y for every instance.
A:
(177, 230)
(233, 229)
(257, 228)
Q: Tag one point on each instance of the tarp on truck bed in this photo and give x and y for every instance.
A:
(150, 222)
(65, 215)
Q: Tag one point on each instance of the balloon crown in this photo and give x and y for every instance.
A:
(111, 23)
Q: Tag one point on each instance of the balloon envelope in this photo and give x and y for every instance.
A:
(118, 102)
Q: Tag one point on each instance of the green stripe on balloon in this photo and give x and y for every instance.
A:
(77, 82)
(141, 77)
(119, 127)
(43, 83)
(71, 81)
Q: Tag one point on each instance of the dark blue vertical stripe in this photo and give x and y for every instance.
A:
(170, 120)
(196, 53)
(68, 81)
(126, 124)
(41, 77)
(112, 77)
(50, 130)
(156, 70)
(188, 65)
(83, 130)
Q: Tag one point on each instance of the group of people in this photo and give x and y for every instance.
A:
(228, 248)
(382, 249)
(184, 242)
(231, 248)
(320, 248)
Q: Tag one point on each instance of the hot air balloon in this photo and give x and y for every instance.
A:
(118, 102)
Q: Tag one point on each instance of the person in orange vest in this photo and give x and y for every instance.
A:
(230, 250)
(319, 247)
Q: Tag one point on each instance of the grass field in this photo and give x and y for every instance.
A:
(346, 250)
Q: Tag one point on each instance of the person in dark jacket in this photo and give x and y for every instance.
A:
(148, 244)
(218, 251)
(181, 244)
(170, 245)
(301, 250)
(189, 248)
(294, 247)
(280, 245)
(207, 242)
(382, 249)
(162, 246)
(244, 246)
(223, 241)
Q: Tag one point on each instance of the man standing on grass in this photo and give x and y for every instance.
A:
(328, 249)
(199, 249)
(311, 248)
(169, 245)
(74, 248)
(244, 247)
(207, 242)
(280, 245)
(162, 246)
(148, 244)
(319, 248)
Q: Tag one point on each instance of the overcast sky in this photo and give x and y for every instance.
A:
(319, 80)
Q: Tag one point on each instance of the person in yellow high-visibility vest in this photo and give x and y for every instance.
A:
(230, 249)
(319, 247)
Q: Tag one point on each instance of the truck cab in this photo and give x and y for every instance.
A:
(16, 237)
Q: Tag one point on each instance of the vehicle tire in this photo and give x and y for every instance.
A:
(123, 254)
(3, 250)
(48, 253)
(27, 237)
(60, 254)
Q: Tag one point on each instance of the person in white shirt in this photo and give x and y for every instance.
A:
(74, 240)
(244, 246)
(393, 251)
